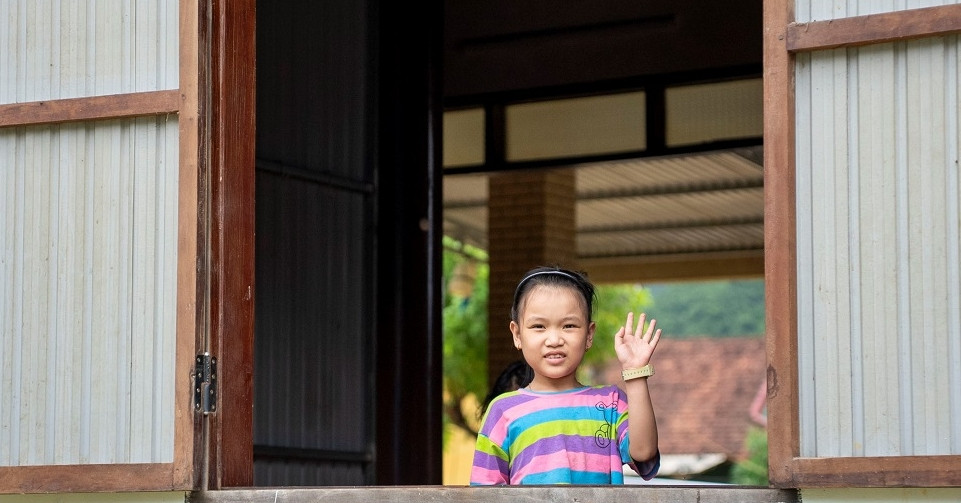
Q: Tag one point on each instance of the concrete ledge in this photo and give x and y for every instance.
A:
(512, 494)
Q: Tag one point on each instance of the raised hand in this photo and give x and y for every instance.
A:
(634, 346)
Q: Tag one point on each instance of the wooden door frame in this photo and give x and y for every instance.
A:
(229, 42)
(409, 362)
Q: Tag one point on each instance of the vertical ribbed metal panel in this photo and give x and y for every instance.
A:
(88, 256)
(316, 106)
(51, 49)
(879, 287)
(823, 10)
(312, 344)
(313, 413)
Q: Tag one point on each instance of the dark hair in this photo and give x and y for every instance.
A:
(517, 375)
(553, 276)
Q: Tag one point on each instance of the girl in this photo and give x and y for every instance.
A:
(556, 431)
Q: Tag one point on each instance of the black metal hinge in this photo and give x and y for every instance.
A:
(205, 384)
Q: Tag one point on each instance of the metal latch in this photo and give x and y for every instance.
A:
(205, 384)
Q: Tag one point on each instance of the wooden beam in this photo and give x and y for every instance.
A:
(88, 478)
(112, 106)
(669, 268)
(883, 471)
(232, 216)
(191, 250)
(780, 243)
(874, 28)
(496, 494)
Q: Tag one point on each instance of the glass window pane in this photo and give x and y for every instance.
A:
(464, 137)
(712, 112)
(576, 127)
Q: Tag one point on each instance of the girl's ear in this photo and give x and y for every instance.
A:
(516, 333)
(590, 334)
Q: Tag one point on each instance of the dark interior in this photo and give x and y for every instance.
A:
(349, 205)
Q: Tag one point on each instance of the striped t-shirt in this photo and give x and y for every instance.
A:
(568, 437)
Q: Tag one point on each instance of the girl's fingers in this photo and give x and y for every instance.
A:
(651, 335)
(656, 337)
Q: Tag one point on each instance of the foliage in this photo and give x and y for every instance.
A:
(611, 308)
(713, 308)
(753, 470)
(465, 329)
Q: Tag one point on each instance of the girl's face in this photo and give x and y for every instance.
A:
(553, 332)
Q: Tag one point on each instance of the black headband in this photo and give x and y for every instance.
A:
(538, 273)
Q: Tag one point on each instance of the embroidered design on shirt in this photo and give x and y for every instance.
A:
(605, 433)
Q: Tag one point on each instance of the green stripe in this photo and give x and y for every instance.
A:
(582, 427)
(485, 445)
(621, 419)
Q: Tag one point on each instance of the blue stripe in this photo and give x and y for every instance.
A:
(617, 477)
(564, 414)
(568, 476)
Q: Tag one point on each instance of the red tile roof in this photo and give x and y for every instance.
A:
(702, 393)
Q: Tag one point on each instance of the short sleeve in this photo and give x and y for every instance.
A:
(646, 469)
(491, 463)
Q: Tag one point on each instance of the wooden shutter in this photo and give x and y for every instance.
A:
(102, 297)
(862, 246)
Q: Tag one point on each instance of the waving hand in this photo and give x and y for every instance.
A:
(634, 347)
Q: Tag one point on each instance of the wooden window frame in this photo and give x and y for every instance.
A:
(783, 38)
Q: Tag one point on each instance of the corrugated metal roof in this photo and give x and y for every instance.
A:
(701, 203)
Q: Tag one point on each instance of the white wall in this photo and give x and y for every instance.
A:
(52, 49)
(879, 287)
(88, 237)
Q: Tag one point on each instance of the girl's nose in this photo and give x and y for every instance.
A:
(554, 338)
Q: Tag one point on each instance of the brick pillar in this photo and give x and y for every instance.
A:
(530, 223)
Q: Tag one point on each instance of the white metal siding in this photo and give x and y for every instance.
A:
(879, 288)
(824, 10)
(51, 49)
(88, 256)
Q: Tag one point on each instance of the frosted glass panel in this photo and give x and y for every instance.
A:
(464, 137)
(88, 257)
(574, 127)
(52, 49)
(713, 112)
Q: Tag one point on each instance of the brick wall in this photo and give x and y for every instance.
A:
(531, 222)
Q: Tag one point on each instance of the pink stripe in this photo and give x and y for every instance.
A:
(499, 431)
(480, 475)
(583, 463)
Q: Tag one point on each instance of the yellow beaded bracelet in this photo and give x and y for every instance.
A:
(645, 371)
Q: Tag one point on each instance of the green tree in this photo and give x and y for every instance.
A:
(611, 308)
(753, 470)
(711, 308)
(465, 328)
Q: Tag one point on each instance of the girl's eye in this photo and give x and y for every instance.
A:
(570, 325)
